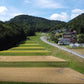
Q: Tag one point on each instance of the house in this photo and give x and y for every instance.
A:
(71, 36)
(68, 38)
(67, 35)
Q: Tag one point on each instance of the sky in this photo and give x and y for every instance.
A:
(63, 10)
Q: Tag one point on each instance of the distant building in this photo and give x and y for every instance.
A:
(68, 38)
(67, 35)
(71, 36)
(60, 30)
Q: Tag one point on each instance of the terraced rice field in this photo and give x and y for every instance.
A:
(31, 62)
(29, 58)
(30, 48)
(24, 51)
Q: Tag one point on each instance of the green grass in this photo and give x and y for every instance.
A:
(32, 42)
(28, 49)
(31, 83)
(25, 54)
(25, 51)
(29, 46)
(34, 64)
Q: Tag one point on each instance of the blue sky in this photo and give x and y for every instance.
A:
(63, 10)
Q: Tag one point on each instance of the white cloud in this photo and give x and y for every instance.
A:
(8, 13)
(63, 16)
(76, 12)
(48, 4)
(27, 1)
(3, 9)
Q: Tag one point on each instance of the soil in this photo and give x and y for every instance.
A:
(29, 58)
(42, 75)
(79, 50)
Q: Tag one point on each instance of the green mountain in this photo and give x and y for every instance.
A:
(18, 28)
(77, 24)
(32, 23)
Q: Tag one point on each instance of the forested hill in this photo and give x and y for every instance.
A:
(32, 22)
(10, 35)
(77, 24)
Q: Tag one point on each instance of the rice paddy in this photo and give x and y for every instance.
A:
(30, 44)
(29, 48)
(32, 61)
(26, 51)
(25, 54)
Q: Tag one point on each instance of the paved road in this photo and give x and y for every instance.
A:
(43, 38)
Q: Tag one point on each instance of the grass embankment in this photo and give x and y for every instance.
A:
(24, 54)
(30, 48)
(35, 64)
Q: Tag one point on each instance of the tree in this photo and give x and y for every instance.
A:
(10, 35)
(80, 38)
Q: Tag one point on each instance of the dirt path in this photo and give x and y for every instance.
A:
(79, 50)
(43, 75)
(29, 58)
